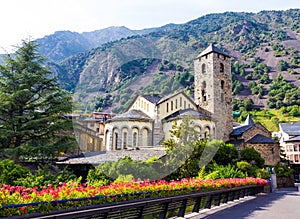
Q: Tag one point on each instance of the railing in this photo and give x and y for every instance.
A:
(161, 207)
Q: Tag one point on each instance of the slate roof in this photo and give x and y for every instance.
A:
(186, 113)
(152, 99)
(132, 115)
(212, 48)
(101, 157)
(242, 128)
(293, 139)
(290, 128)
(258, 138)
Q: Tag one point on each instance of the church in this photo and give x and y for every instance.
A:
(139, 132)
(148, 120)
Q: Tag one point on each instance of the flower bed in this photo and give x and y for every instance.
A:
(17, 200)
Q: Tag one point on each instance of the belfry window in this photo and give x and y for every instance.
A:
(222, 84)
(203, 68)
(221, 67)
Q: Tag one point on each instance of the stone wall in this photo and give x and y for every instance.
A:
(270, 152)
(257, 128)
(285, 182)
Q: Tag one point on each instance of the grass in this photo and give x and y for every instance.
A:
(271, 118)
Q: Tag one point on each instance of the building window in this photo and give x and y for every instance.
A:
(176, 104)
(171, 105)
(117, 146)
(296, 156)
(222, 84)
(296, 148)
(184, 104)
(167, 107)
(147, 107)
(180, 103)
(125, 140)
(221, 67)
(203, 68)
(134, 141)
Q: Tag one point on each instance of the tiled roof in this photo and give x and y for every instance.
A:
(186, 113)
(290, 128)
(101, 157)
(132, 114)
(293, 139)
(258, 138)
(152, 99)
(212, 48)
(240, 130)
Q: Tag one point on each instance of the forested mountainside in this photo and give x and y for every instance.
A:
(265, 49)
(63, 44)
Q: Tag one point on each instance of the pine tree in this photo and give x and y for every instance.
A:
(32, 104)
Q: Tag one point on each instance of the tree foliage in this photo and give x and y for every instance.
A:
(32, 104)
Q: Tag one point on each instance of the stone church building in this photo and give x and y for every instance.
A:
(149, 119)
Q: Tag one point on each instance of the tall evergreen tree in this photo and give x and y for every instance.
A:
(32, 104)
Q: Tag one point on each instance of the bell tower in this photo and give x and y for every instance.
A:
(213, 88)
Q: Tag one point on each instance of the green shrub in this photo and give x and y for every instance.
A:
(252, 156)
(11, 172)
(263, 174)
(229, 171)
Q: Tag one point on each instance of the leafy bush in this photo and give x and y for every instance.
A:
(220, 171)
(252, 156)
(263, 174)
(283, 170)
(45, 176)
(246, 168)
(11, 172)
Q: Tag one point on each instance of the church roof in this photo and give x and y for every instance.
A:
(186, 113)
(103, 156)
(152, 99)
(212, 48)
(290, 128)
(258, 138)
(242, 128)
(249, 120)
(132, 114)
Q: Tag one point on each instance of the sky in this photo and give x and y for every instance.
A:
(23, 19)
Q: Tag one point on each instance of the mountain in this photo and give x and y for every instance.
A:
(63, 44)
(160, 60)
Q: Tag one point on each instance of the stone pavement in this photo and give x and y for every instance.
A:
(281, 204)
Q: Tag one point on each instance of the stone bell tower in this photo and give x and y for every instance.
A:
(213, 88)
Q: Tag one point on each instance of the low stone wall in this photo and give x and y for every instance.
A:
(285, 182)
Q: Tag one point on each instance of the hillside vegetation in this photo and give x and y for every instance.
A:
(264, 47)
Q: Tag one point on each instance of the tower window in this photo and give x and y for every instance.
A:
(221, 67)
(222, 84)
(203, 68)
(203, 95)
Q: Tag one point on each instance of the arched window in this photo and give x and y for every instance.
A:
(203, 68)
(134, 140)
(221, 67)
(125, 140)
(117, 146)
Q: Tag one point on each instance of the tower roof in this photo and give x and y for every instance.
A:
(249, 121)
(212, 48)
